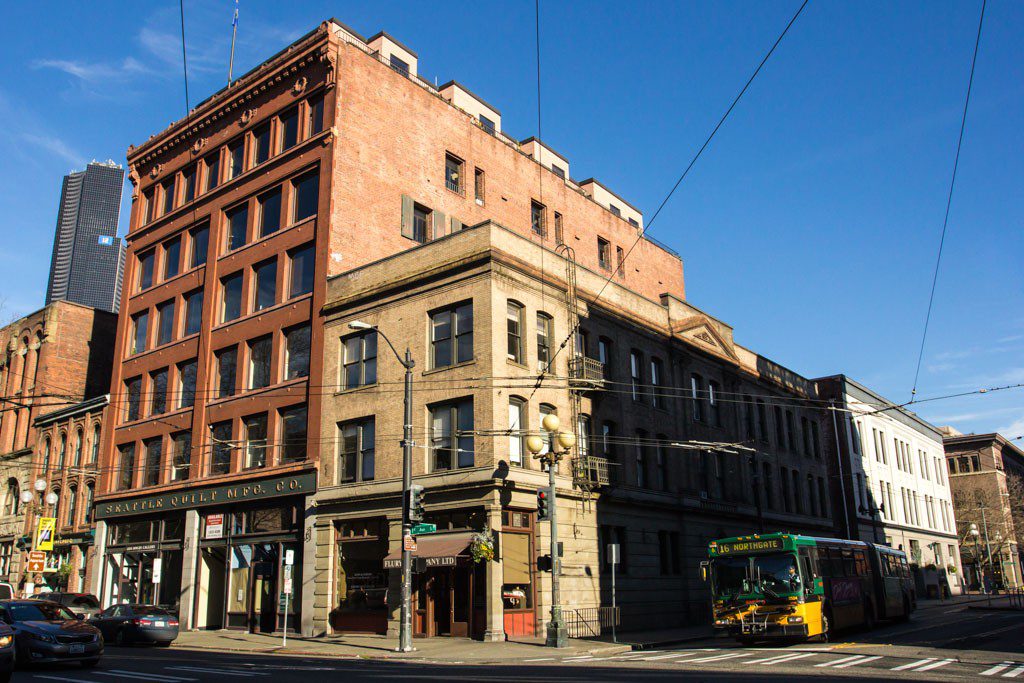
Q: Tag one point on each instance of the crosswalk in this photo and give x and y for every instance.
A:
(171, 674)
(820, 658)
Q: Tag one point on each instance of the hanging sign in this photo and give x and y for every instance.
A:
(44, 534)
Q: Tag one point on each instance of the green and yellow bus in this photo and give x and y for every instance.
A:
(779, 585)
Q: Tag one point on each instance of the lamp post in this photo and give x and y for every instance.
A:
(28, 498)
(405, 625)
(557, 635)
(973, 531)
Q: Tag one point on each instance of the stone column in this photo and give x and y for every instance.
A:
(189, 571)
(395, 580)
(310, 572)
(99, 563)
(494, 629)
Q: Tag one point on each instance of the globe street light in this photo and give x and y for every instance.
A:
(547, 451)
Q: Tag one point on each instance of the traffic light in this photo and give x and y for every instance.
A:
(544, 563)
(414, 504)
(543, 498)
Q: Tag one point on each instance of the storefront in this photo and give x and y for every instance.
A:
(76, 552)
(223, 557)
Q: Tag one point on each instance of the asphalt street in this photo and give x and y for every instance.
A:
(939, 644)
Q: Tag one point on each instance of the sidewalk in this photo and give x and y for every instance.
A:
(368, 646)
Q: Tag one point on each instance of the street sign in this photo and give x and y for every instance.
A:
(215, 526)
(44, 534)
(289, 557)
(282, 602)
(157, 567)
(36, 566)
(36, 556)
(418, 529)
(409, 544)
(613, 553)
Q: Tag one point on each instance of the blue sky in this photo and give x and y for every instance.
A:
(810, 224)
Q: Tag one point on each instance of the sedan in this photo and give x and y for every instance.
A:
(6, 652)
(84, 604)
(46, 632)
(128, 624)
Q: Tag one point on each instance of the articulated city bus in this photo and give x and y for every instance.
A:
(788, 586)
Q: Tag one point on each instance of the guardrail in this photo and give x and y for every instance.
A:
(587, 622)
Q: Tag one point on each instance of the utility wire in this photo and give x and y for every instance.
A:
(949, 202)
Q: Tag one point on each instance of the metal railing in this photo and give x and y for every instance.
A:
(586, 370)
(662, 245)
(587, 622)
(591, 469)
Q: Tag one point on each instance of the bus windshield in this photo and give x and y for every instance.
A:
(769, 575)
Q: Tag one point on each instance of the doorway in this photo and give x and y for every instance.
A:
(263, 617)
(443, 602)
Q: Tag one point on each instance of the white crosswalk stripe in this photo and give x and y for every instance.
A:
(846, 662)
(838, 661)
(997, 669)
(771, 661)
(670, 655)
(61, 678)
(1014, 673)
(864, 660)
(912, 665)
(222, 672)
(715, 658)
(122, 673)
(934, 665)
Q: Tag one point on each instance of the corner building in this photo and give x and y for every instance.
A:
(333, 184)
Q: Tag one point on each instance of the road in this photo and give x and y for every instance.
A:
(939, 644)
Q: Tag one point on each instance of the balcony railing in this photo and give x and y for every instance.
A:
(591, 470)
(586, 372)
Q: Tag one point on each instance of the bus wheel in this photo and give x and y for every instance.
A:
(824, 628)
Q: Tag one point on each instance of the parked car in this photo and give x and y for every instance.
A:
(6, 591)
(45, 632)
(128, 624)
(84, 604)
(6, 652)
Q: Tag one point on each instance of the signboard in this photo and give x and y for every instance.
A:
(214, 526)
(409, 543)
(743, 547)
(289, 558)
(106, 240)
(36, 556)
(446, 561)
(157, 566)
(45, 532)
(36, 566)
(613, 553)
(80, 538)
(418, 529)
(282, 602)
(274, 487)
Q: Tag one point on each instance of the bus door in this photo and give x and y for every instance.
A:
(893, 584)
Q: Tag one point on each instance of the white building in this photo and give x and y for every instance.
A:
(893, 476)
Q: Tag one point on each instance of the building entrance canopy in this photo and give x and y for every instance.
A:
(447, 550)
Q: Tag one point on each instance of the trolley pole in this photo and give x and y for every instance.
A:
(405, 629)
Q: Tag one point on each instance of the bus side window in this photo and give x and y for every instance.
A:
(835, 561)
(862, 563)
(849, 567)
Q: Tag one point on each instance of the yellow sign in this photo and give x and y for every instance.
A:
(45, 533)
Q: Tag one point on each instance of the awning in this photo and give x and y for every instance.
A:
(439, 551)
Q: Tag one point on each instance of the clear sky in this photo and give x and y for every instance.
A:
(810, 224)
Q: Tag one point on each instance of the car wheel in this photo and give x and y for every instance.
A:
(90, 663)
(165, 643)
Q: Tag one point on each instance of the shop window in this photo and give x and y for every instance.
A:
(305, 196)
(221, 446)
(359, 365)
(158, 392)
(237, 221)
(288, 124)
(154, 458)
(255, 441)
(514, 331)
(126, 466)
(545, 334)
(293, 434)
(356, 454)
(193, 312)
(260, 352)
(133, 408)
(301, 269)
(181, 455)
(269, 205)
(187, 373)
(516, 562)
(165, 322)
(451, 335)
(297, 352)
(200, 244)
(451, 435)
(231, 297)
(227, 369)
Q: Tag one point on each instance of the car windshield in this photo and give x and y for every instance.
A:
(766, 574)
(86, 601)
(150, 611)
(41, 612)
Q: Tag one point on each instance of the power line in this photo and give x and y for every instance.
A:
(949, 202)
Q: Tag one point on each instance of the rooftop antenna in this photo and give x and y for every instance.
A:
(234, 32)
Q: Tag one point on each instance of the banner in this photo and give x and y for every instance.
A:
(45, 532)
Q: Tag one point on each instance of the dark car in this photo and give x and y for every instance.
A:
(46, 632)
(6, 652)
(128, 624)
(84, 604)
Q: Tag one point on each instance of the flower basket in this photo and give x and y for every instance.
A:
(481, 547)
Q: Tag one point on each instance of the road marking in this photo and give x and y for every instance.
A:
(865, 660)
(1014, 673)
(935, 665)
(919, 662)
(61, 678)
(838, 661)
(223, 672)
(716, 658)
(670, 655)
(771, 661)
(121, 673)
(578, 659)
(540, 659)
(996, 669)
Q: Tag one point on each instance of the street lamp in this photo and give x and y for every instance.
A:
(405, 625)
(557, 635)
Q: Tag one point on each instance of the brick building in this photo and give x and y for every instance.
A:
(51, 359)
(333, 165)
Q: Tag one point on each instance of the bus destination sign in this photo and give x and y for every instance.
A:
(752, 546)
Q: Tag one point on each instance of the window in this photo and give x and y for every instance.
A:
(46, 452)
(168, 188)
(798, 499)
(315, 118)
(296, 360)
(604, 255)
(558, 171)
(288, 124)
(238, 225)
(451, 335)
(514, 319)
(90, 492)
(261, 144)
(149, 205)
(293, 434)
(146, 270)
(360, 362)
(815, 440)
(188, 179)
(301, 280)
(94, 452)
(269, 205)
(635, 373)
(62, 454)
(126, 466)
(516, 430)
(641, 457)
(418, 227)
(487, 124)
(12, 506)
(479, 185)
(780, 430)
(260, 351)
(158, 384)
(231, 297)
(634, 222)
(604, 356)
(266, 284)
(140, 324)
(164, 322)
(227, 367)
(200, 238)
(559, 234)
(790, 431)
(583, 435)
(305, 194)
(657, 397)
(181, 455)
(154, 451)
(538, 220)
(172, 258)
(451, 435)
(398, 65)
(661, 463)
(133, 411)
(236, 159)
(620, 259)
(220, 451)
(714, 412)
(255, 441)
(453, 173)
(356, 452)
(193, 312)
(212, 164)
(768, 485)
(616, 211)
(545, 333)
(187, 373)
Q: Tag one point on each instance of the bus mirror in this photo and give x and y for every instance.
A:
(704, 571)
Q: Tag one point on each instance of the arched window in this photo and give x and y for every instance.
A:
(90, 491)
(72, 505)
(56, 506)
(514, 315)
(46, 455)
(63, 450)
(94, 454)
(12, 505)
(78, 447)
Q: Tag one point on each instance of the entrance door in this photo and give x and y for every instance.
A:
(263, 616)
(440, 588)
